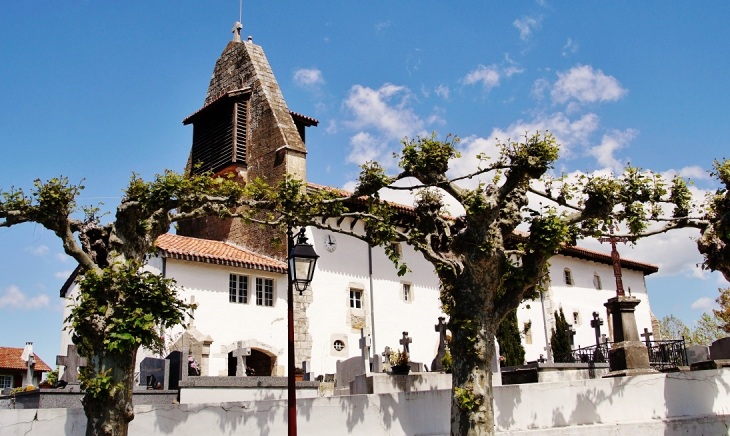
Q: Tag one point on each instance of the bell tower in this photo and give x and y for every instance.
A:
(245, 127)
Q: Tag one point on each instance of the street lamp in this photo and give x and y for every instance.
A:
(302, 259)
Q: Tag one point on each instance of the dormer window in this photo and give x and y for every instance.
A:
(568, 277)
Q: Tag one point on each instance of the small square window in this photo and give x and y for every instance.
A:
(597, 281)
(355, 299)
(407, 296)
(264, 292)
(238, 289)
(568, 276)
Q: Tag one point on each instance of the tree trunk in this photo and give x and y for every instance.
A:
(472, 405)
(109, 414)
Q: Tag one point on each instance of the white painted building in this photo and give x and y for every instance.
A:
(239, 281)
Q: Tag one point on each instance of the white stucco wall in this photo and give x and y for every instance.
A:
(330, 314)
(582, 297)
(346, 266)
(695, 403)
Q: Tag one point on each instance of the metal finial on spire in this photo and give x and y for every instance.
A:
(237, 31)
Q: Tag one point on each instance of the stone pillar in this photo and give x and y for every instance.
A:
(628, 356)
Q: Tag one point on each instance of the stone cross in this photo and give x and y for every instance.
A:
(596, 323)
(604, 339)
(365, 347)
(405, 342)
(646, 336)
(570, 333)
(71, 362)
(192, 313)
(386, 356)
(441, 329)
(29, 358)
(237, 31)
(616, 259)
(240, 353)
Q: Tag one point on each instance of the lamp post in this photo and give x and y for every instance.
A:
(302, 259)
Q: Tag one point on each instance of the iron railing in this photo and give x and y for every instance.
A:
(662, 354)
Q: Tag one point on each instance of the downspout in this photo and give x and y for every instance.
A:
(377, 367)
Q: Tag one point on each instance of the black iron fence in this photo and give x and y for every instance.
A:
(662, 354)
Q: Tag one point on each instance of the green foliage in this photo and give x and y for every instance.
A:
(446, 362)
(399, 358)
(510, 340)
(98, 384)
(52, 377)
(427, 156)
(131, 302)
(558, 339)
(715, 241)
(723, 314)
(466, 399)
(672, 327)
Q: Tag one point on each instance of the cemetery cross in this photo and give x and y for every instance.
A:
(71, 361)
(405, 342)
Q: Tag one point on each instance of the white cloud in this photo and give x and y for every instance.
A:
(586, 85)
(386, 109)
(526, 25)
(443, 91)
(308, 77)
(610, 143)
(365, 148)
(63, 257)
(37, 250)
(539, 88)
(62, 275)
(15, 298)
(331, 127)
(382, 25)
(694, 172)
(570, 47)
(488, 76)
(704, 303)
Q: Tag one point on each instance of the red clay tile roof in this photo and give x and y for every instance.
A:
(309, 121)
(215, 252)
(10, 359)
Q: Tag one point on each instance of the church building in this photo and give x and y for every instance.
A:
(239, 280)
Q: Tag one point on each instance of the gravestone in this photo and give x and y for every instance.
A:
(720, 349)
(365, 351)
(647, 337)
(347, 370)
(176, 367)
(698, 353)
(570, 333)
(153, 367)
(596, 324)
(406, 341)
(386, 358)
(240, 354)
(71, 362)
(436, 364)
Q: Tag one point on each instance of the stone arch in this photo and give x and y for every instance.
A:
(264, 358)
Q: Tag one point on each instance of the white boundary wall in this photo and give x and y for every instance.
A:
(696, 403)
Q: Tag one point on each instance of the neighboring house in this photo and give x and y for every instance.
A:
(239, 282)
(13, 369)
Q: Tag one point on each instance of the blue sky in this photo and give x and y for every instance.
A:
(97, 90)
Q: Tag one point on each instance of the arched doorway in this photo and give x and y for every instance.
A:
(260, 361)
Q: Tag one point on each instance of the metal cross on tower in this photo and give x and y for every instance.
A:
(616, 259)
